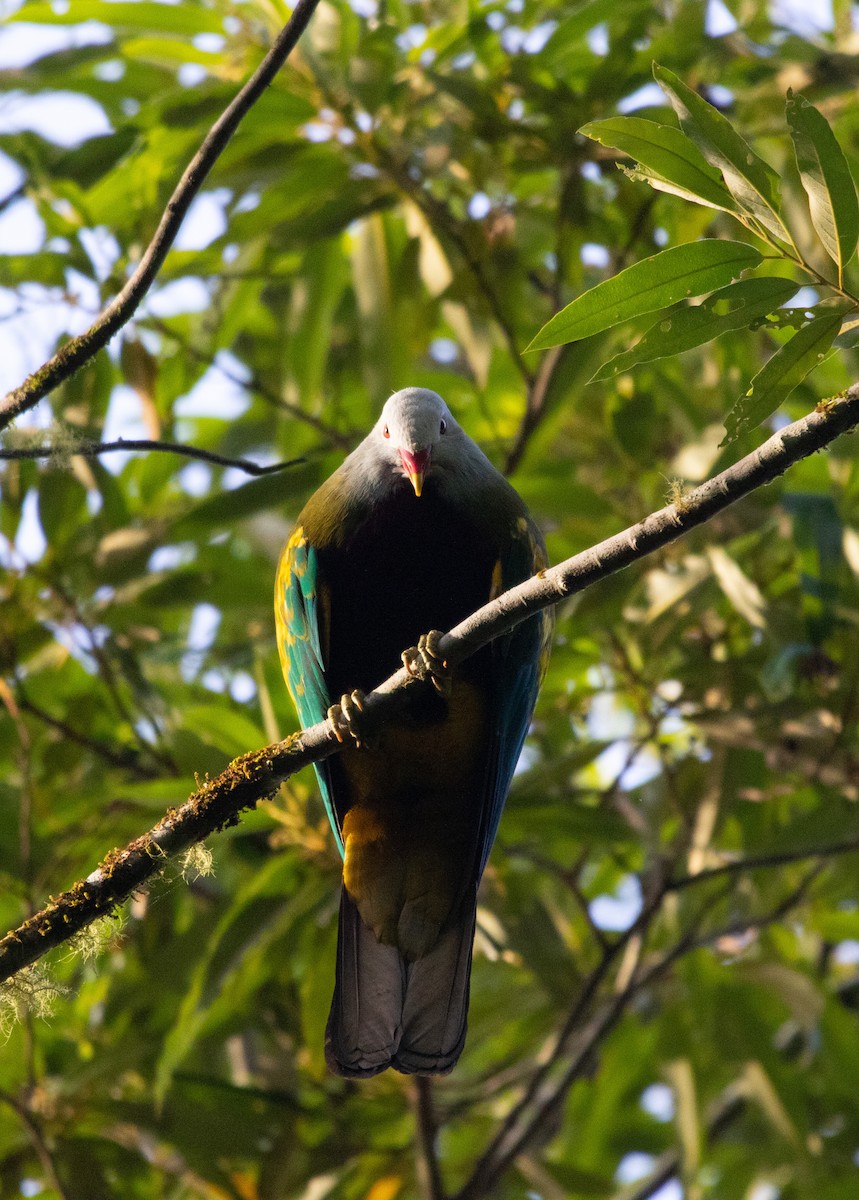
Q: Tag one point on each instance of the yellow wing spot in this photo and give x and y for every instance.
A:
(497, 585)
(296, 538)
(289, 563)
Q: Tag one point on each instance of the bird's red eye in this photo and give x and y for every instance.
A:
(386, 432)
(442, 426)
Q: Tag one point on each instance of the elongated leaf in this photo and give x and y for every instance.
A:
(569, 37)
(733, 307)
(827, 180)
(172, 18)
(778, 377)
(663, 279)
(668, 156)
(751, 181)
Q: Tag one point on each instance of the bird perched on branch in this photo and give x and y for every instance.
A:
(410, 535)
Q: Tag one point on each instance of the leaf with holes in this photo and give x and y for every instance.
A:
(674, 274)
(781, 374)
(737, 306)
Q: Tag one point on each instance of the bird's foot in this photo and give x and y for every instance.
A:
(347, 717)
(425, 661)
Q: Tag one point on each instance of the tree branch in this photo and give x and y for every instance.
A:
(758, 861)
(720, 1116)
(38, 1142)
(534, 1111)
(124, 757)
(251, 383)
(444, 223)
(256, 776)
(731, 1103)
(426, 1127)
(88, 449)
(81, 349)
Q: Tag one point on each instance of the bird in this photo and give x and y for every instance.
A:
(412, 533)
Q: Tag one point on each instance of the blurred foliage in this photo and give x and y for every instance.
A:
(410, 204)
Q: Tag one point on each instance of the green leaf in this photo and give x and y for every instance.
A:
(827, 180)
(570, 35)
(663, 279)
(173, 18)
(205, 981)
(736, 306)
(781, 374)
(672, 161)
(751, 181)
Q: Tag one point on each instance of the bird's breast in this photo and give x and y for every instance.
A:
(417, 563)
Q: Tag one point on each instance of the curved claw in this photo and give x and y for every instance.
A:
(425, 661)
(346, 716)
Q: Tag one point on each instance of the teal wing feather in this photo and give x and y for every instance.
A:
(300, 602)
(519, 663)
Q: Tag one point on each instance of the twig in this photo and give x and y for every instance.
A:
(81, 349)
(426, 1126)
(252, 383)
(256, 776)
(516, 1129)
(722, 1113)
(740, 927)
(125, 757)
(37, 1139)
(98, 650)
(543, 1101)
(732, 1101)
(443, 221)
(535, 406)
(759, 861)
(88, 449)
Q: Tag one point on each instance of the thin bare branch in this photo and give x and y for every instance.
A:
(87, 449)
(757, 862)
(534, 1112)
(535, 406)
(81, 349)
(721, 1115)
(429, 1172)
(125, 757)
(539, 391)
(256, 776)
(38, 1142)
(251, 383)
(446, 225)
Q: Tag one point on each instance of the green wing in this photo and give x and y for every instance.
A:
(299, 605)
(518, 664)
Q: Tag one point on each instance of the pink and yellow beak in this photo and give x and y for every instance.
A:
(415, 467)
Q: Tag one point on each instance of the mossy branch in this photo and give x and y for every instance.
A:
(257, 776)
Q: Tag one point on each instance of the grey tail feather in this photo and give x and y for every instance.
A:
(387, 1012)
(435, 1011)
(364, 1025)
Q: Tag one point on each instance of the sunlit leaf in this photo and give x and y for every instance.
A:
(752, 182)
(654, 283)
(672, 160)
(827, 180)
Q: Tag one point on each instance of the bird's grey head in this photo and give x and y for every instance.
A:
(418, 436)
